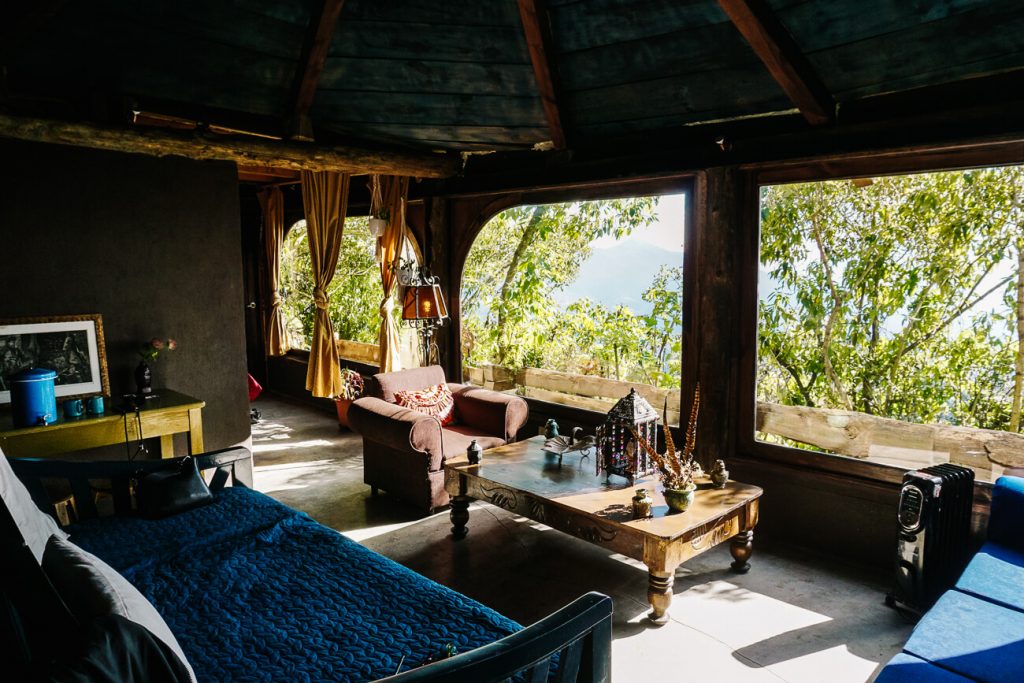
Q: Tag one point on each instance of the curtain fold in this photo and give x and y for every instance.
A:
(325, 200)
(394, 190)
(272, 203)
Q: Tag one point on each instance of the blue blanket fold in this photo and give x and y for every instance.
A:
(255, 591)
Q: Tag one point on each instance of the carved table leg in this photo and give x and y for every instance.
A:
(741, 546)
(659, 594)
(460, 516)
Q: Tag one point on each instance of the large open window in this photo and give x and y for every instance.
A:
(355, 292)
(577, 302)
(891, 319)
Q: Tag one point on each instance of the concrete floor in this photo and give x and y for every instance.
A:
(794, 617)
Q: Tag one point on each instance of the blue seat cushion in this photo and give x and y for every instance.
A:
(1007, 510)
(904, 668)
(972, 637)
(996, 573)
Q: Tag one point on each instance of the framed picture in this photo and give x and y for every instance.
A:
(72, 345)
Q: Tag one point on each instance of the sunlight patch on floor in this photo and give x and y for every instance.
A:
(737, 616)
(360, 535)
(290, 476)
(274, 447)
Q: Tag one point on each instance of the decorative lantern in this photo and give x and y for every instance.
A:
(618, 451)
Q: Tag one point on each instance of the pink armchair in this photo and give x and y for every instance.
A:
(404, 450)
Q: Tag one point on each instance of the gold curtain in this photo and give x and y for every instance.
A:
(325, 200)
(394, 190)
(272, 203)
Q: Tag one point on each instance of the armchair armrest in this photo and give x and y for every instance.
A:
(1006, 520)
(396, 427)
(496, 413)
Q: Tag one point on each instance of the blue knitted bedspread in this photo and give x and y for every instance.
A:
(255, 591)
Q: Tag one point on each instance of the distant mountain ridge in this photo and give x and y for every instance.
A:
(619, 275)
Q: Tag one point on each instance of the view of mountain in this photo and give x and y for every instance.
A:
(619, 274)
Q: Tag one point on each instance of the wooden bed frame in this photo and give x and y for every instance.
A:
(578, 634)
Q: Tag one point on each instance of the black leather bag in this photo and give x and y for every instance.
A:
(172, 490)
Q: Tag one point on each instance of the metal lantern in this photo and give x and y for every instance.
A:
(618, 452)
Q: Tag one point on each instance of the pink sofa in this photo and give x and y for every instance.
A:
(404, 450)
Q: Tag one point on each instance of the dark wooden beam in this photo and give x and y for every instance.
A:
(311, 65)
(201, 145)
(785, 62)
(34, 16)
(537, 29)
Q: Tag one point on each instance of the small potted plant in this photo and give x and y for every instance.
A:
(351, 389)
(379, 222)
(677, 469)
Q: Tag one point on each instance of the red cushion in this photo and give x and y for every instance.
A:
(436, 401)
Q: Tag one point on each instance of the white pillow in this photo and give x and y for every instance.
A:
(91, 588)
(35, 525)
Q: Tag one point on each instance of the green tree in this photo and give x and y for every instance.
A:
(521, 257)
(355, 292)
(876, 287)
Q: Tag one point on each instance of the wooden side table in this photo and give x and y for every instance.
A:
(168, 414)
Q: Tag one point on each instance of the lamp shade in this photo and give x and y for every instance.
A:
(424, 302)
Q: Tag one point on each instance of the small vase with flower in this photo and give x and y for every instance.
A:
(148, 352)
(677, 469)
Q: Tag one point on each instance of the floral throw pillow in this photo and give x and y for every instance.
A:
(436, 401)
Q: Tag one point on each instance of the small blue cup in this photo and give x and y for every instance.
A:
(94, 404)
(73, 408)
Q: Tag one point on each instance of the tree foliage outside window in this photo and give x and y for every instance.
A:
(524, 256)
(897, 297)
(355, 292)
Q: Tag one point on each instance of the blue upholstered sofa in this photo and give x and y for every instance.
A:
(975, 632)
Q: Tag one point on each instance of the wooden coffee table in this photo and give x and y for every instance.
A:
(522, 478)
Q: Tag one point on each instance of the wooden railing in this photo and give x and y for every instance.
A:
(582, 391)
(893, 442)
(358, 351)
(878, 439)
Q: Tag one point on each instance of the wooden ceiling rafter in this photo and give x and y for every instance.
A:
(786, 63)
(202, 145)
(537, 30)
(311, 66)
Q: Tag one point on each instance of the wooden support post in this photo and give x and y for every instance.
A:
(245, 150)
(712, 339)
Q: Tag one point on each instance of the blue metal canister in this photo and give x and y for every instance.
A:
(33, 401)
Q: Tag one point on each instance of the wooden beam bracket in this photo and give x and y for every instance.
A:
(776, 48)
(537, 30)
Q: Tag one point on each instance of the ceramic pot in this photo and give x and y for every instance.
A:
(679, 499)
(343, 404)
(143, 379)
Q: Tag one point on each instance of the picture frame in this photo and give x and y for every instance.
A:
(72, 345)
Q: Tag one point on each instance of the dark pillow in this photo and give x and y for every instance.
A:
(118, 650)
(92, 589)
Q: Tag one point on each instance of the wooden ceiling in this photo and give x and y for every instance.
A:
(500, 75)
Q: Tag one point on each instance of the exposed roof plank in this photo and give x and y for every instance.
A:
(537, 29)
(246, 150)
(314, 55)
(785, 62)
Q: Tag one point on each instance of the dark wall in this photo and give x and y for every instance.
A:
(152, 244)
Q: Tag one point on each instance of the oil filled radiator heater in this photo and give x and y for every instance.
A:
(934, 518)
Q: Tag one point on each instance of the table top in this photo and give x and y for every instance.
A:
(524, 466)
(164, 400)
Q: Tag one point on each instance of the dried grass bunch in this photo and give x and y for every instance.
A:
(677, 469)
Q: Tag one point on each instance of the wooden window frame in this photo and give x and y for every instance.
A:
(756, 176)
(491, 206)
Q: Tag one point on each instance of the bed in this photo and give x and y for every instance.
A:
(256, 591)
